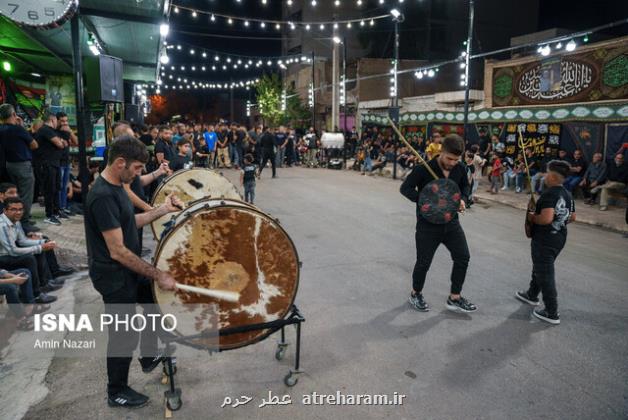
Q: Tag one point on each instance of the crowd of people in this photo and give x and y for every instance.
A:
(37, 167)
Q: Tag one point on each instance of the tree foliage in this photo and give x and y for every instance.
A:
(269, 98)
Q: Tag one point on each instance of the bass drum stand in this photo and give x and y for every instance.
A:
(173, 394)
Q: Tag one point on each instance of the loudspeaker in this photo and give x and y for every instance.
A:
(133, 114)
(103, 76)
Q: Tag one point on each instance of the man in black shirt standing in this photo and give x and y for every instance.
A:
(115, 268)
(549, 219)
(429, 236)
(268, 151)
(17, 144)
(65, 132)
(51, 147)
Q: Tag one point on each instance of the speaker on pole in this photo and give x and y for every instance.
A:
(104, 79)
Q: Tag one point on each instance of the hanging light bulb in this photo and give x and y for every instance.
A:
(212, 18)
(194, 14)
(571, 45)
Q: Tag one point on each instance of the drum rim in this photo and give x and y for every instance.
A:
(179, 172)
(268, 331)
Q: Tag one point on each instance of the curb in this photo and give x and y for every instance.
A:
(584, 221)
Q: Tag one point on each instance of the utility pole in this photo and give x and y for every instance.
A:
(334, 86)
(467, 71)
(77, 69)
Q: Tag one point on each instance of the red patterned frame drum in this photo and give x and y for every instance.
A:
(439, 201)
(228, 245)
(190, 185)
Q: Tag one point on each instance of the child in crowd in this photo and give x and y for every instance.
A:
(247, 178)
(496, 172)
(181, 160)
(202, 153)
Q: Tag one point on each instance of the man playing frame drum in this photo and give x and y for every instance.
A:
(430, 235)
(116, 270)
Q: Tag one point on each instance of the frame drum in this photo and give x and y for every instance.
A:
(233, 246)
(190, 185)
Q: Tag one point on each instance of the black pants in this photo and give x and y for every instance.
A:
(123, 302)
(266, 156)
(36, 264)
(543, 280)
(49, 183)
(428, 237)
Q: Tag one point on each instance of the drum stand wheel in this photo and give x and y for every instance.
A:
(292, 378)
(165, 377)
(172, 396)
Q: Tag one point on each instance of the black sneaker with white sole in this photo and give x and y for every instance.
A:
(418, 303)
(543, 315)
(460, 305)
(127, 398)
(52, 220)
(525, 298)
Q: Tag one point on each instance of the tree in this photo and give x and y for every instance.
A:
(296, 114)
(269, 99)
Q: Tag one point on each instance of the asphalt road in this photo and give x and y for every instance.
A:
(355, 236)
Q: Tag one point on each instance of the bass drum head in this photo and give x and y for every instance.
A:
(439, 201)
(190, 185)
(235, 248)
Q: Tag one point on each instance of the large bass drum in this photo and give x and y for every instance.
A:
(191, 185)
(228, 245)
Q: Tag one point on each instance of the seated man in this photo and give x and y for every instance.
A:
(8, 190)
(593, 176)
(21, 303)
(18, 251)
(578, 167)
(616, 180)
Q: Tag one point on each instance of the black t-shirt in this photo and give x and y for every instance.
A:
(48, 152)
(65, 153)
(178, 162)
(578, 162)
(268, 142)
(147, 139)
(420, 177)
(136, 187)
(249, 172)
(166, 148)
(240, 136)
(15, 141)
(108, 207)
(559, 199)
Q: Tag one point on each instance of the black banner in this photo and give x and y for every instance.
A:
(537, 136)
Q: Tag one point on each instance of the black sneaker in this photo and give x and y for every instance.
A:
(460, 305)
(523, 297)
(52, 220)
(67, 212)
(63, 271)
(44, 298)
(50, 287)
(418, 302)
(56, 281)
(127, 398)
(543, 315)
(62, 215)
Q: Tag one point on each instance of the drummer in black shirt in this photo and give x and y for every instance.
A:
(549, 219)
(114, 265)
(429, 236)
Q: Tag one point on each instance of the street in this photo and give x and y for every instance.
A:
(355, 237)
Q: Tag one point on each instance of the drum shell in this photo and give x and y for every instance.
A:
(210, 215)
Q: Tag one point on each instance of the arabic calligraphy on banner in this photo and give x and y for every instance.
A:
(593, 75)
(536, 136)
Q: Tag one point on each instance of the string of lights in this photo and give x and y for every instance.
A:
(213, 61)
(183, 83)
(337, 3)
(279, 24)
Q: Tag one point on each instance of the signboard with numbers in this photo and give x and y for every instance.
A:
(536, 136)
